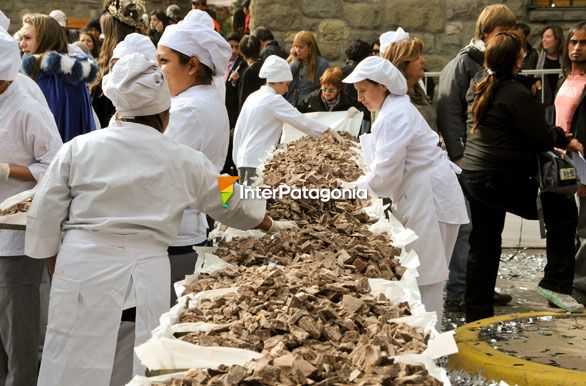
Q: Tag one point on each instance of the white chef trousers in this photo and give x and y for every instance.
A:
(91, 281)
(432, 295)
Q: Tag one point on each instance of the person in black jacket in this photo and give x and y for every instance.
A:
(451, 121)
(250, 81)
(499, 165)
(330, 97)
(235, 69)
(531, 54)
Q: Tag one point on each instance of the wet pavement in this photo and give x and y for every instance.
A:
(520, 271)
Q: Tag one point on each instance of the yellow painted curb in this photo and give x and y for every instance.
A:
(476, 356)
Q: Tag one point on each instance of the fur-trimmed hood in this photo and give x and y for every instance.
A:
(74, 69)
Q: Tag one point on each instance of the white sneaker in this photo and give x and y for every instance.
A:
(563, 301)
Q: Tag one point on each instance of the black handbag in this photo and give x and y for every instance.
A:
(556, 173)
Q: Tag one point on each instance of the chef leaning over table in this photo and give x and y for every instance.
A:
(29, 139)
(406, 165)
(118, 195)
(261, 119)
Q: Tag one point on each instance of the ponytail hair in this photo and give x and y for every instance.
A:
(483, 93)
(500, 57)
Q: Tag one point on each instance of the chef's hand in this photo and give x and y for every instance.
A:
(345, 184)
(4, 171)
(352, 111)
(337, 137)
(282, 225)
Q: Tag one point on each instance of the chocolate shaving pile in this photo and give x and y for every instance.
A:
(313, 319)
(311, 324)
(21, 207)
(351, 247)
(292, 369)
(313, 163)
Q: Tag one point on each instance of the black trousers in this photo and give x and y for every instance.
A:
(491, 197)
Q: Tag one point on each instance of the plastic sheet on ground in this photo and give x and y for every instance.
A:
(18, 220)
(207, 263)
(336, 120)
(420, 359)
(148, 381)
(166, 353)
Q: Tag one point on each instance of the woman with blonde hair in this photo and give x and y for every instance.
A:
(61, 77)
(407, 56)
(307, 66)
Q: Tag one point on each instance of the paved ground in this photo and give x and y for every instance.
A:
(518, 277)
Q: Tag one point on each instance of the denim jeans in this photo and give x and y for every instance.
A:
(491, 196)
(456, 285)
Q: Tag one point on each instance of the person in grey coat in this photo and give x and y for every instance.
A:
(451, 119)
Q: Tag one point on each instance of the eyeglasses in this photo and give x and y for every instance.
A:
(330, 90)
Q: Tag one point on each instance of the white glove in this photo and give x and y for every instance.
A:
(282, 225)
(337, 137)
(352, 111)
(4, 171)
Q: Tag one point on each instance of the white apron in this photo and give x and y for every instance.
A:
(406, 165)
(92, 278)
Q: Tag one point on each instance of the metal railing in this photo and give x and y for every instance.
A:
(541, 73)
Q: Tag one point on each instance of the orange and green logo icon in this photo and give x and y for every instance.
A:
(226, 185)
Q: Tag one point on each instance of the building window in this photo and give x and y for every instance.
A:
(552, 4)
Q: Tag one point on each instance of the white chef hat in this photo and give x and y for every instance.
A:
(390, 37)
(381, 71)
(60, 16)
(4, 21)
(135, 42)
(10, 59)
(194, 39)
(200, 17)
(136, 87)
(275, 69)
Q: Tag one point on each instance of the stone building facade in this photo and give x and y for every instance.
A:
(444, 25)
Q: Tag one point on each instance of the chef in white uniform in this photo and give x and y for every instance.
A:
(406, 165)
(28, 143)
(203, 18)
(261, 119)
(118, 195)
(190, 55)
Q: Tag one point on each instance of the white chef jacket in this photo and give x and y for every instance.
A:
(31, 88)
(130, 180)
(260, 124)
(28, 137)
(406, 165)
(199, 119)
